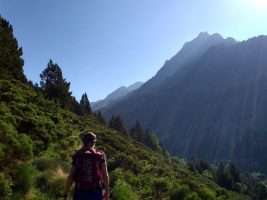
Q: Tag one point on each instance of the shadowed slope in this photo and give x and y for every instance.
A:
(213, 107)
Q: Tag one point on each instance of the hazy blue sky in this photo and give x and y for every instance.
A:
(103, 44)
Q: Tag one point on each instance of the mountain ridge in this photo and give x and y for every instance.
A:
(200, 105)
(190, 51)
(116, 95)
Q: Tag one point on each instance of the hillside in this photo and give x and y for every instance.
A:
(213, 107)
(38, 137)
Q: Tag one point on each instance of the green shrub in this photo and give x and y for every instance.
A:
(51, 184)
(57, 187)
(18, 146)
(206, 193)
(24, 178)
(5, 188)
(51, 151)
(2, 152)
(26, 146)
(45, 163)
(33, 194)
(159, 186)
(192, 196)
(122, 191)
(43, 181)
(221, 192)
(179, 192)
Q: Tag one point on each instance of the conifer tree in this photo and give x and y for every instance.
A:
(76, 107)
(85, 105)
(137, 132)
(55, 86)
(112, 122)
(151, 140)
(235, 174)
(220, 176)
(117, 123)
(11, 63)
(100, 117)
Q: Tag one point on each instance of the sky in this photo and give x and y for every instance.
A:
(101, 45)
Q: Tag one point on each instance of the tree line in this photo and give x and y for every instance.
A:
(231, 178)
(55, 87)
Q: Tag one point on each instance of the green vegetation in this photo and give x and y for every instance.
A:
(40, 133)
(11, 63)
(38, 138)
(117, 124)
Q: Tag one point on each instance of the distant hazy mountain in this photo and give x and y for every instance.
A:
(116, 95)
(214, 106)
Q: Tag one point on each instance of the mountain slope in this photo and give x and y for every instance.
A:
(213, 107)
(115, 96)
(189, 52)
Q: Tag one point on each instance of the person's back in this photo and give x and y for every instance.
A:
(89, 171)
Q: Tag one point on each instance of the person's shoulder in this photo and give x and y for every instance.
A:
(78, 152)
(100, 151)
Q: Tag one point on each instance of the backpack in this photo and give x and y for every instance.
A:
(88, 171)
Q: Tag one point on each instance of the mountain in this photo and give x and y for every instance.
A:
(213, 107)
(115, 96)
(189, 52)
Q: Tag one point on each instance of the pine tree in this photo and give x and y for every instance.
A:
(11, 63)
(220, 176)
(151, 140)
(118, 124)
(137, 132)
(100, 118)
(235, 174)
(76, 107)
(55, 86)
(112, 122)
(85, 105)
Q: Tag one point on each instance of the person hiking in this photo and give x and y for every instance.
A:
(89, 172)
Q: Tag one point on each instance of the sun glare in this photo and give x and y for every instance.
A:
(260, 4)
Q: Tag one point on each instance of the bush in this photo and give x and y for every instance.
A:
(50, 163)
(17, 146)
(192, 196)
(206, 193)
(2, 153)
(5, 188)
(122, 191)
(26, 146)
(51, 184)
(179, 192)
(24, 178)
(184, 192)
(160, 186)
(57, 187)
(33, 194)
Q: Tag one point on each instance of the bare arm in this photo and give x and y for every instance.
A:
(106, 180)
(70, 180)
